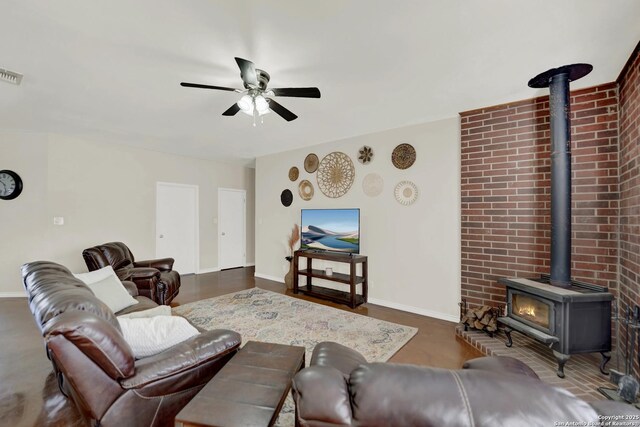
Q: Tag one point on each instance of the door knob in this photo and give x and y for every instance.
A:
(161, 236)
(224, 234)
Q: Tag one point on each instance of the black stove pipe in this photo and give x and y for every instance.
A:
(557, 79)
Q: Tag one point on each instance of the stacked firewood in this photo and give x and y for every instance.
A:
(484, 318)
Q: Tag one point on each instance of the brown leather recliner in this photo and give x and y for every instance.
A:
(95, 365)
(155, 278)
(341, 389)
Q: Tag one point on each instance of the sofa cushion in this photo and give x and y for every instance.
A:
(151, 335)
(53, 290)
(393, 394)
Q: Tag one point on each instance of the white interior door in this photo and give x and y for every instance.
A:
(177, 225)
(231, 228)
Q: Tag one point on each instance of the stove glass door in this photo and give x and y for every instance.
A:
(531, 309)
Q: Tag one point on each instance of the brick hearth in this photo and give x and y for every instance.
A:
(582, 371)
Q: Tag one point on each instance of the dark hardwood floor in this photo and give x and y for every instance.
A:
(29, 395)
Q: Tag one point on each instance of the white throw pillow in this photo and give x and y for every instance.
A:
(112, 292)
(151, 335)
(96, 276)
(161, 310)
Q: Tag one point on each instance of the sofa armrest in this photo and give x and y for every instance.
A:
(321, 396)
(337, 356)
(162, 264)
(188, 354)
(131, 288)
(143, 273)
(98, 339)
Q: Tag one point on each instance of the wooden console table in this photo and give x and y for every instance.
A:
(248, 391)
(351, 298)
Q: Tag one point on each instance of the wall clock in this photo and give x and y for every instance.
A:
(10, 185)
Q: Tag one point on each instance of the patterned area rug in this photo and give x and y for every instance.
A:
(260, 315)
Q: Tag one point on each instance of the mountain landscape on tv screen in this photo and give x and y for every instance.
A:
(318, 238)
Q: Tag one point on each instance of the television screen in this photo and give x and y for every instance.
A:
(331, 230)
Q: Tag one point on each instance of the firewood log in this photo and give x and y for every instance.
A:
(482, 311)
(486, 319)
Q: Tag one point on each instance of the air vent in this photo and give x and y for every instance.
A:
(10, 76)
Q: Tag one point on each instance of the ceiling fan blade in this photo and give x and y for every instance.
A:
(199, 86)
(281, 111)
(232, 110)
(299, 92)
(247, 72)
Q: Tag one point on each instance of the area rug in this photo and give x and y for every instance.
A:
(261, 315)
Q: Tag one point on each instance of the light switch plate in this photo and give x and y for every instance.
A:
(58, 220)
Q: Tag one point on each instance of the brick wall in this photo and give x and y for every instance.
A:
(505, 175)
(629, 89)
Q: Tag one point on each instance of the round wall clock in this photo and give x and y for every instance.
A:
(10, 185)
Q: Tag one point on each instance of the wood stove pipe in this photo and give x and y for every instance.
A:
(557, 80)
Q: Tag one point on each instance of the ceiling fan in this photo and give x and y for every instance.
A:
(255, 101)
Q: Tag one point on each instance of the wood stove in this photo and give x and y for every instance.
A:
(569, 320)
(569, 316)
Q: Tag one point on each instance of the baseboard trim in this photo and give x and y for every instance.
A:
(13, 295)
(253, 264)
(415, 310)
(266, 276)
(208, 270)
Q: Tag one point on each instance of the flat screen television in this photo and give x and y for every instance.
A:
(331, 230)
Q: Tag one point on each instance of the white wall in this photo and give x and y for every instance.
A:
(105, 192)
(414, 251)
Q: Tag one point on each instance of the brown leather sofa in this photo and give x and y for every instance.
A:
(95, 365)
(155, 278)
(340, 388)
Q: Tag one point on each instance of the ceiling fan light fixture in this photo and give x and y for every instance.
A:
(261, 104)
(246, 104)
(254, 103)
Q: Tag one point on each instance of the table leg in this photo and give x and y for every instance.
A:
(352, 284)
(365, 281)
(295, 273)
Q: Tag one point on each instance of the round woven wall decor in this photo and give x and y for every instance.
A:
(406, 193)
(335, 174)
(311, 163)
(403, 156)
(365, 155)
(372, 185)
(305, 190)
(286, 198)
(294, 173)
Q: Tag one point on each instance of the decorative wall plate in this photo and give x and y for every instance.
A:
(294, 173)
(286, 198)
(365, 154)
(335, 174)
(372, 185)
(406, 193)
(403, 156)
(305, 190)
(311, 163)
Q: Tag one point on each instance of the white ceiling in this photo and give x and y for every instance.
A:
(110, 70)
